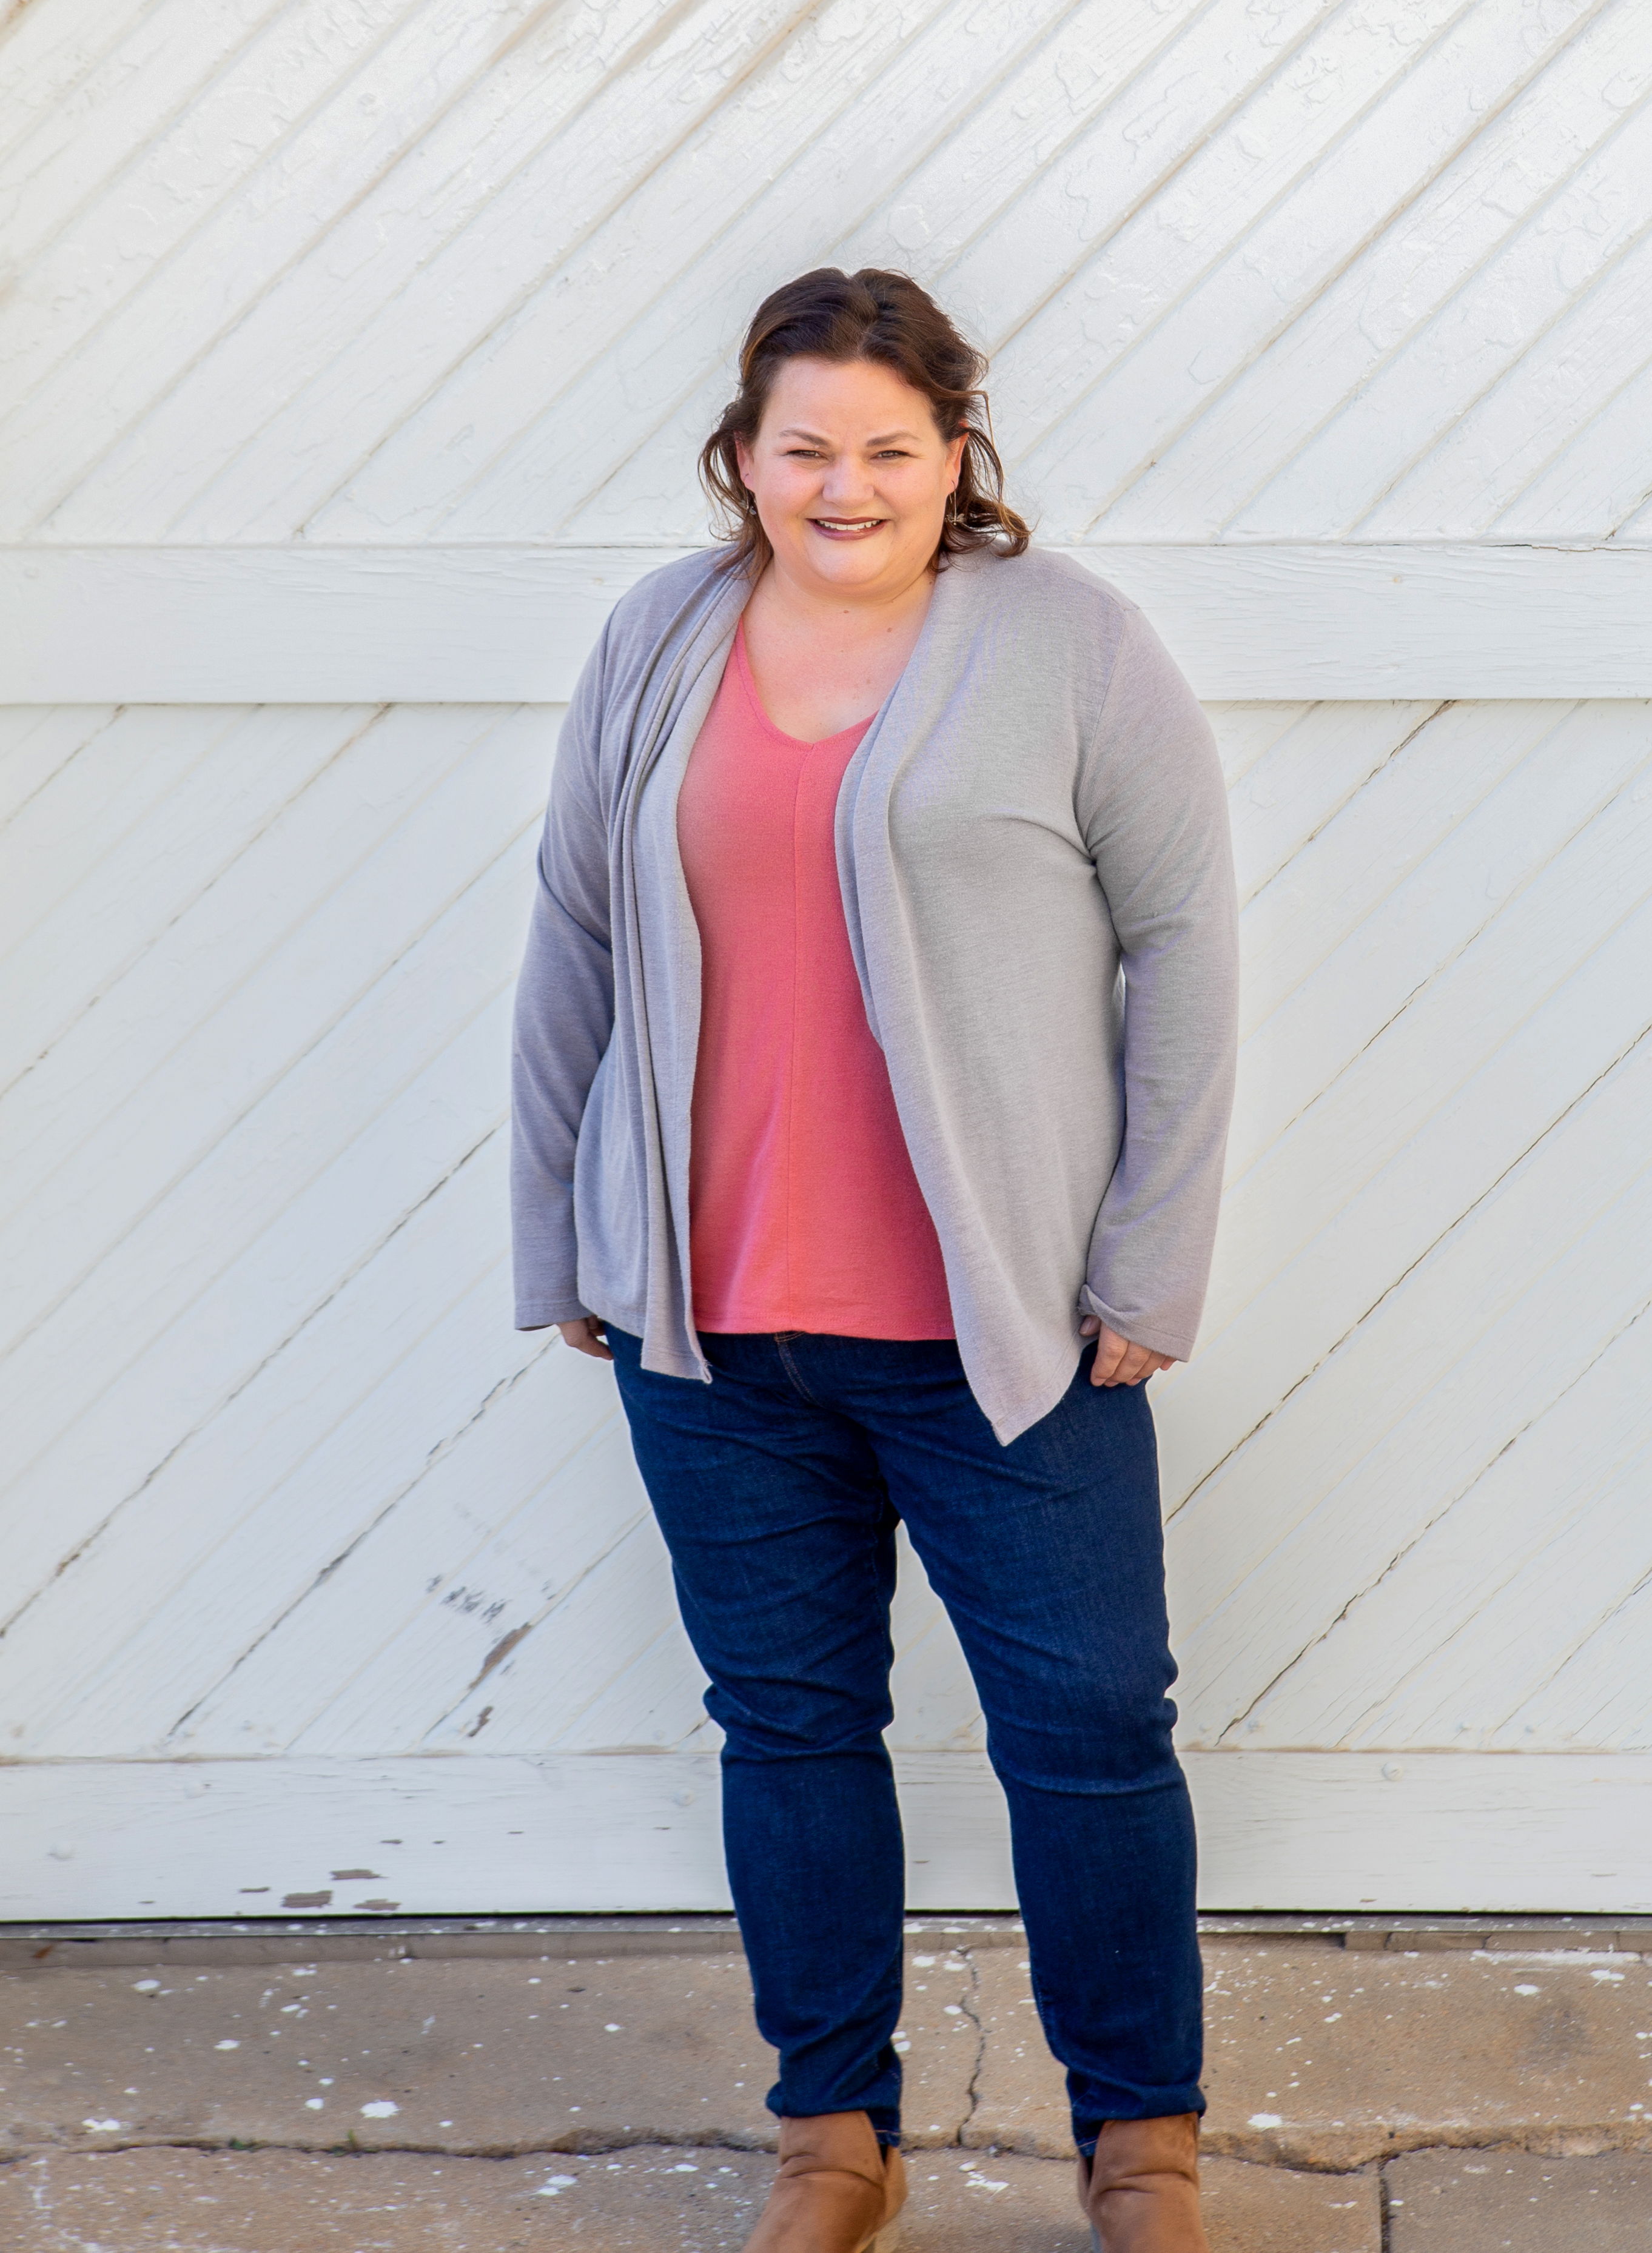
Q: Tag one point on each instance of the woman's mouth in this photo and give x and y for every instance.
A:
(848, 528)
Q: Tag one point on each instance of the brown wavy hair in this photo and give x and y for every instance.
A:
(874, 315)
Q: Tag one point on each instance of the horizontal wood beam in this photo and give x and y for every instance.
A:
(1413, 1831)
(482, 625)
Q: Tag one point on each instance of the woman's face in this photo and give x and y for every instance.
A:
(851, 477)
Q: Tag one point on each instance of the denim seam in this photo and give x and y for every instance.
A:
(1040, 2000)
(792, 1369)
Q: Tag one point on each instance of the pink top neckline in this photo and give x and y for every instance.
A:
(748, 682)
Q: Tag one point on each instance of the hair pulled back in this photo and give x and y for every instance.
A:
(879, 315)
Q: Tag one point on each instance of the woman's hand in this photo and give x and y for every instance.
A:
(1116, 1361)
(585, 1335)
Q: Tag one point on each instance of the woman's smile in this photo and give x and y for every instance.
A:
(848, 528)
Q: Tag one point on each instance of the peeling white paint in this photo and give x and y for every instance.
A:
(1329, 325)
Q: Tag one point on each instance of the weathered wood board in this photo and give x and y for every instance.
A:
(477, 625)
(356, 357)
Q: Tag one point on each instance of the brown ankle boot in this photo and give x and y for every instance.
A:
(1140, 2192)
(838, 2190)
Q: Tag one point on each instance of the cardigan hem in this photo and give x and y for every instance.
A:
(545, 1313)
(1136, 1333)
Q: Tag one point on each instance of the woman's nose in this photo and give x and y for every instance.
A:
(846, 481)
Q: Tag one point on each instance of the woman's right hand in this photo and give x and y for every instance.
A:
(585, 1335)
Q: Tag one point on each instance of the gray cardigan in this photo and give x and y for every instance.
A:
(1036, 808)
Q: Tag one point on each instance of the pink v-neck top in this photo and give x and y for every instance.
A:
(805, 1213)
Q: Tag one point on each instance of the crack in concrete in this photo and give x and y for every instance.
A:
(1559, 2145)
(971, 2008)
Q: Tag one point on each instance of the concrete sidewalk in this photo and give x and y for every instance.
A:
(1362, 2098)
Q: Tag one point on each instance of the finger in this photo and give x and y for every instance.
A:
(585, 1337)
(1089, 1325)
(1129, 1363)
(1109, 1350)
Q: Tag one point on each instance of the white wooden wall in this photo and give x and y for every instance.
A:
(358, 353)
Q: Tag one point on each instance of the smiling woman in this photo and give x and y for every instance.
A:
(872, 1065)
(853, 462)
(857, 504)
(909, 337)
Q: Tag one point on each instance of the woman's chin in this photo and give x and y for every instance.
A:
(856, 562)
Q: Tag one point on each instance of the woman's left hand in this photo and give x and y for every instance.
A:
(1118, 1362)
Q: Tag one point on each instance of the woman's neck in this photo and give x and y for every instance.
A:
(822, 659)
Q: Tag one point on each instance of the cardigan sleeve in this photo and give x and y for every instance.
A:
(1154, 806)
(564, 1016)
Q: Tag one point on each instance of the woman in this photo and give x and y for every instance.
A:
(873, 1068)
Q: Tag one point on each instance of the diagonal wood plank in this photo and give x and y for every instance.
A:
(653, 1705)
(168, 859)
(99, 1440)
(574, 450)
(1357, 993)
(1410, 1205)
(1245, 733)
(1306, 777)
(1452, 965)
(239, 261)
(40, 739)
(1361, 453)
(1594, 487)
(1536, 1624)
(46, 53)
(89, 262)
(82, 814)
(985, 150)
(1458, 488)
(547, 1534)
(1114, 427)
(162, 65)
(1095, 190)
(1031, 118)
(1289, 1473)
(275, 1483)
(542, 383)
(1227, 185)
(1457, 1624)
(388, 764)
(584, 1647)
(1437, 775)
(224, 405)
(297, 998)
(1256, 423)
(1469, 1361)
(1599, 1696)
(366, 332)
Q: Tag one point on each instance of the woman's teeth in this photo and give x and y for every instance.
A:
(846, 524)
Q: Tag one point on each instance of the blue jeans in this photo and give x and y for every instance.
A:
(778, 1487)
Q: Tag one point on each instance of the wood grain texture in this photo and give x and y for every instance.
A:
(355, 361)
(285, 1486)
(1442, 1831)
(488, 624)
(397, 269)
